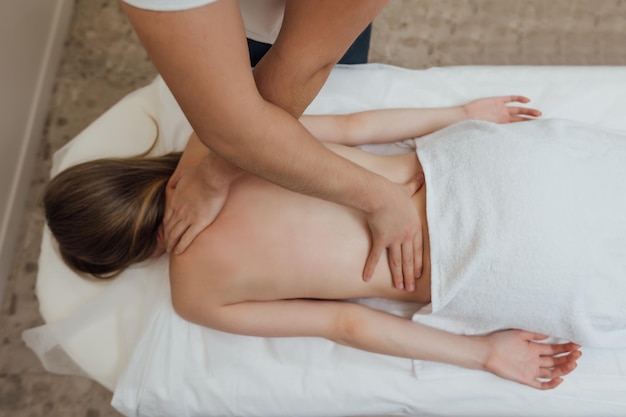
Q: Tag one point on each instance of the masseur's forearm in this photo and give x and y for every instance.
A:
(197, 154)
(290, 76)
(195, 151)
(285, 153)
(314, 36)
(291, 87)
(265, 141)
(214, 86)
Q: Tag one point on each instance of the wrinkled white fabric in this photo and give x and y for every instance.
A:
(527, 226)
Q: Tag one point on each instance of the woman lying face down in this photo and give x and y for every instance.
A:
(276, 263)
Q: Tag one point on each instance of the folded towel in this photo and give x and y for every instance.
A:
(527, 227)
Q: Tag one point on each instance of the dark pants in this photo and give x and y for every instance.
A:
(356, 54)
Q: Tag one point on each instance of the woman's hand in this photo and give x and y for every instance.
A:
(516, 355)
(194, 199)
(495, 109)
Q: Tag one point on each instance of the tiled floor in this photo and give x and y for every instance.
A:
(103, 61)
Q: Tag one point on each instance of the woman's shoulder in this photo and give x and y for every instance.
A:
(204, 273)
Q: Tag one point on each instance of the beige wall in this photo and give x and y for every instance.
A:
(31, 39)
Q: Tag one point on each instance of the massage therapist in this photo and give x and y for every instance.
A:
(248, 120)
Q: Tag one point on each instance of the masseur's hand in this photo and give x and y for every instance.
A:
(396, 226)
(516, 355)
(194, 198)
(495, 109)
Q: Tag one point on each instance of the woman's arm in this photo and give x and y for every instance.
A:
(512, 354)
(391, 125)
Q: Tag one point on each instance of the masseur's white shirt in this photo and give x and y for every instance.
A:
(262, 18)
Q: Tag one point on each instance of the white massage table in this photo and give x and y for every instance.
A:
(125, 335)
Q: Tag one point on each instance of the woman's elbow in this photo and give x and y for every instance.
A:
(191, 310)
(184, 309)
(349, 327)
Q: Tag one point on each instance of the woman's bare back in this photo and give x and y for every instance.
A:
(269, 243)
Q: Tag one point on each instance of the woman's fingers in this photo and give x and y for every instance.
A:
(557, 348)
(546, 385)
(550, 378)
(519, 99)
(524, 110)
(520, 114)
(559, 368)
(554, 362)
(557, 360)
(525, 357)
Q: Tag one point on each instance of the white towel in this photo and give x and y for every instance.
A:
(527, 227)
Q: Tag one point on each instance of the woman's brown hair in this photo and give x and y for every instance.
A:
(106, 213)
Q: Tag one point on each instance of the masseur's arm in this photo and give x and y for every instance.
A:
(195, 175)
(373, 126)
(511, 354)
(382, 126)
(202, 55)
(392, 125)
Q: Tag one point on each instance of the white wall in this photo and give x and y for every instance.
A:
(32, 33)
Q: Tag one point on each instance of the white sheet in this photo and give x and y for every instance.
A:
(184, 370)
